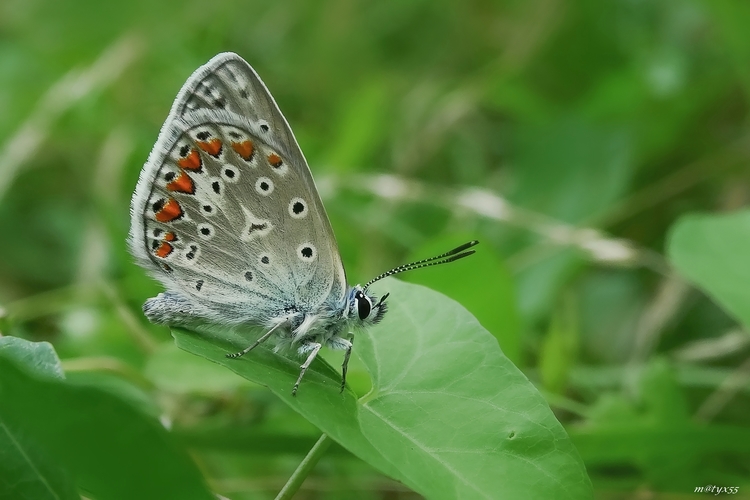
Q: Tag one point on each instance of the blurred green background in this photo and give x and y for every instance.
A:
(567, 136)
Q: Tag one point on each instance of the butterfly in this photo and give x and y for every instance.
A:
(227, 217)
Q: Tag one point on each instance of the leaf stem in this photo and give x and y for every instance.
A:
(304, 468)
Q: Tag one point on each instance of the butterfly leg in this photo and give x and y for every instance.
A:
(345, 365)
(303, 368)
(256, 343)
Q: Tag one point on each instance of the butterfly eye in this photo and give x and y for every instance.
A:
(363, 305)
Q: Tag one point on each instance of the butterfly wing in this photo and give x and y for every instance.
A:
(226, 212)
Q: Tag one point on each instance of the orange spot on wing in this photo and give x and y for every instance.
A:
(164, 250)
(244, 149)
(192, 161)
(169, 212)
(182, 184)
(212, 147)
(274, 160)
(170, 236)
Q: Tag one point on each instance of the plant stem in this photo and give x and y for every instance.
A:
(304, 468)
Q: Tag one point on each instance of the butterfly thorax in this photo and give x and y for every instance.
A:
(330, 324)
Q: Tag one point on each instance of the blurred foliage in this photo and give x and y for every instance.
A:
(567, 136)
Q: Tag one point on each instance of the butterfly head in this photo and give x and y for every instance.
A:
(365, 308)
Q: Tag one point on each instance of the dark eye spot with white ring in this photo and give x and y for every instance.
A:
(169, 176)
(363, 305)
(264, 186)
(298, 208)
(306, 252)
(216, 186)
(264, 259)
(230, 173)
(205, 231)
(263, 125)
(208, 209)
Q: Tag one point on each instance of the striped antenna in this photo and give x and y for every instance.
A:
(450, 256)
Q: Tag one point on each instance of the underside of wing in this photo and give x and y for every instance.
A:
(226, 209)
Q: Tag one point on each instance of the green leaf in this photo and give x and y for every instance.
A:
(37, 358)
(462, 281)
(448, 414)
(711, 251)
(176, 371)
(114, 450)
(27, 473)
